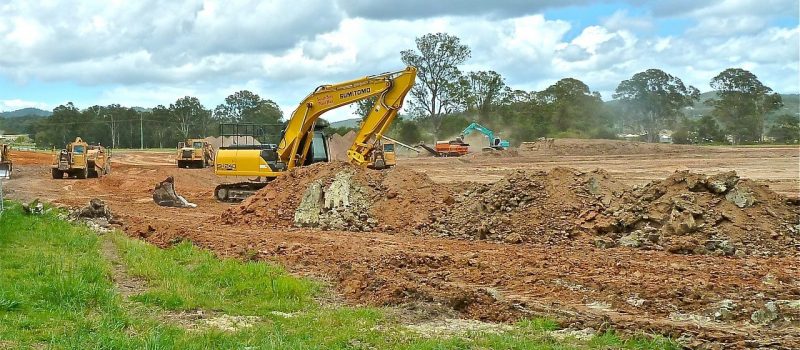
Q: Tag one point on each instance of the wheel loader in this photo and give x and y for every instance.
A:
(5, 162)
(81, 160)
(195, 153)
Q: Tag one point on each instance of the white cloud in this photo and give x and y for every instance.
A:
(15, 104)
(147, 52)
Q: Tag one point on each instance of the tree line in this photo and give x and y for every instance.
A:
(444, 100)
(158, 127)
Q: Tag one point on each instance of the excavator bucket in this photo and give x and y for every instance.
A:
(164, 195)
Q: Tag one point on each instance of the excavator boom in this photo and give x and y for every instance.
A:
(381, 116)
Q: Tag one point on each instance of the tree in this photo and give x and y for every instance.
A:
(364, 107)
(65, 121)
(654, 99)
(684, 132)
(408, 131)
(437, 92)
(247, 107)
(743, 103)
(708, 130)
(185, 112)
(484, 89)
(571, 109)
(786, 129)
(161, 117)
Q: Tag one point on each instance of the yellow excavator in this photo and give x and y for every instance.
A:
(301, 145)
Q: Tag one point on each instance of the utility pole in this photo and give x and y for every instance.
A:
(141, 131)
(113, 134)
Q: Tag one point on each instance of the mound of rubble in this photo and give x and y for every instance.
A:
(686, 213)
(695, 214)
(527, 206)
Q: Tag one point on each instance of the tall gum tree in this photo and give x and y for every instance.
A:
(654, 100)
(438, 89)
(742, 104)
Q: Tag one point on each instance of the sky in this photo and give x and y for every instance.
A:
(144, 53)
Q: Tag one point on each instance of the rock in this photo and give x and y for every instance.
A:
(604, 243)
(722, 182)
(513, 238)
(695, 183)
(632, 240)
(743, 198)
(766, 315)
(724, 310)
(681, 223)
(35, 207)
(635, 301)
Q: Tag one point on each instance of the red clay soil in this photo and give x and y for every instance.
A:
(703, 297)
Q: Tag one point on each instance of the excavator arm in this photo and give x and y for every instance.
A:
(381, 116)
(480, 128)
(390, 88)
(494, 142)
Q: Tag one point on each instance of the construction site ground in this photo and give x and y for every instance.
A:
(578, 284)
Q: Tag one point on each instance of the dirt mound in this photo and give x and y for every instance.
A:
(693, 213)
(594, 147)
(527, 206)
(493, 153)
(339, 195)
(685, 213)
(338, 145)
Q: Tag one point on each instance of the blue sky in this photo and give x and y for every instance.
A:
(146, 53)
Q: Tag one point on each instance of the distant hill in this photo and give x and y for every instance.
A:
(26, 112)
(791, 106)
(347, 123)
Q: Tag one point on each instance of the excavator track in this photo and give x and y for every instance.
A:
(237, 192)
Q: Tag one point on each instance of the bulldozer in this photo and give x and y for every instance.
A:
(81, 160)
(195, 153)
(5, 162)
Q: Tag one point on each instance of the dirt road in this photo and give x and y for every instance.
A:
(707, 298)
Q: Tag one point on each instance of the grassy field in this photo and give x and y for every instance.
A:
(65, 287)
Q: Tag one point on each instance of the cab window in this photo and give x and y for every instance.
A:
(78, 149)
(388, 147)
(197, 145)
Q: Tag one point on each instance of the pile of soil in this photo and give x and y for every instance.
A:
(339, 195)
(527, 206)
(338, 145)
(686, 213)
(693, 213)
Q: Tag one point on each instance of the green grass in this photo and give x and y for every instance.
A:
(56, 292)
